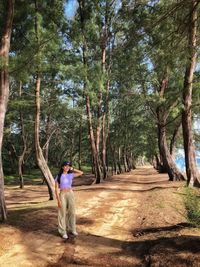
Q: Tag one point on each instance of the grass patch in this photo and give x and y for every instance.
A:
(34, 176)
(192, 205)
(29, 178)
(86, 169)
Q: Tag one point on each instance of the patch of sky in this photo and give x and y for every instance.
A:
(148, 62)
(118, 5)
(153, 3)
(69, 92)
(71, 8)
(14, 129)
(197, 67)
(196, 125)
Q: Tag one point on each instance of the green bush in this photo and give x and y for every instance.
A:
(192, 204)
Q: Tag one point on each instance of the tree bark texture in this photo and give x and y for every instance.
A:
(193, 176)
(96, 160)
(47, 137)
(80, 143)
(4, 91)
(38, 150)
(162, 115)
(172, 170)
(39, 155)
(94, 142)
(24, 146)
(174, 138)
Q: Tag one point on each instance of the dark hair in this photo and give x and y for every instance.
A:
(65, 163)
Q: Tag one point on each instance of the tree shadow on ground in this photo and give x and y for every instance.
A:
(155, 251)
(105, 189)
(135, 253)
(143, 231)
(38, 219)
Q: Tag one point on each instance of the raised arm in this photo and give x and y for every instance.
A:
(77, 172)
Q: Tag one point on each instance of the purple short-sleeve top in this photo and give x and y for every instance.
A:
(65, 180)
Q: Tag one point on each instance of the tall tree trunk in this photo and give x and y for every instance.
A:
(172, 170)
(39, 155)
(174, 138)
(155, 161)
(24, 146)
(119, 160)
(47, 137)
(99, 122)
(48, 134)
(104, 141)
(162, 115)
(80, 143)
(38, 150)
(114, 162)
(73, 133)
(105, 130)
(126, 169)
(93, 142)
(96, 161)
(193, 176)
(106, 67)
(4, 90)
(133, 164)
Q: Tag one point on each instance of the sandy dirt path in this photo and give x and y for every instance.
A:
(125, 221)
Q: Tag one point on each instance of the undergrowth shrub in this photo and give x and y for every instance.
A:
(192, 205)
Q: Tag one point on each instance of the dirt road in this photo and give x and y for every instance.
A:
(134, 219)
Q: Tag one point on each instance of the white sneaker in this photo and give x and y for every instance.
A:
(65, 236)
(74, 233)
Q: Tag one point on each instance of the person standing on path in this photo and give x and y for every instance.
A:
(65, 199)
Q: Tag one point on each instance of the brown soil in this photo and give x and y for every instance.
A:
(132, 219)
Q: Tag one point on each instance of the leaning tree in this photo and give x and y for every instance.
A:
(6, 29)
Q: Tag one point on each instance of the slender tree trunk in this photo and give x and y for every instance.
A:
(4, 90)
(162, 115)
(96, 161)
(126, 169)
(133, 164)
(99, 122)
(114, 162)
(93, 142)
(130, 161)
(39, 155)
(119, 160)
(193, 176)
(104, 140)
(157, 162)
(24, 146)
(20, 169)
(21, 160)
(105, 129)
(73, 133)
(47, 137)
(13, 157)
(174, 138)
(105, 115)
(80, 144)
(172, 170)
(38, 150)
(106, 67)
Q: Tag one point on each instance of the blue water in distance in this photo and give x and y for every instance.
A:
(180, 162)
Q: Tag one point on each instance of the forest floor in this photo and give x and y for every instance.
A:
(132, 219)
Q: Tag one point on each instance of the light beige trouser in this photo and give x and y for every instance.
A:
(66, 214)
